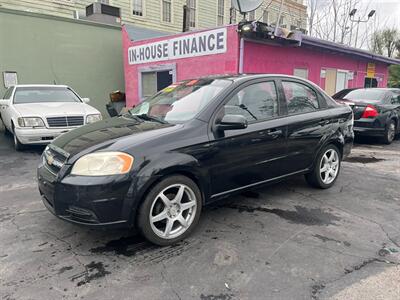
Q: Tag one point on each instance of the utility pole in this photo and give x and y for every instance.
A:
(358, 21)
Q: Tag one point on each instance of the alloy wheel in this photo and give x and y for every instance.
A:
(173, 211)
(391, 131)
(329, 166)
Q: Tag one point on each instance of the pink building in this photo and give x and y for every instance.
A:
(154, 60)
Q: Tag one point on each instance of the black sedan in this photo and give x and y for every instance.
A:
(376, 111)
(193, 143)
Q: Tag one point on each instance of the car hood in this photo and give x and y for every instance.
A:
(124, 131)
(47, 109)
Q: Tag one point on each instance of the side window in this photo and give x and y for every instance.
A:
(255, 102)
(299, 97)
(395, 98)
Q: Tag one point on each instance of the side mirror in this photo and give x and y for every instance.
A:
(4, 102)
(231, 122)
(85, 100)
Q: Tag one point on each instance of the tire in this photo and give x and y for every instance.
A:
(175, 221)
(325, 179)
(17, 144)
(390, 132)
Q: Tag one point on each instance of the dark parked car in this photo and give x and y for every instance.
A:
(376, 111)
(191, 144)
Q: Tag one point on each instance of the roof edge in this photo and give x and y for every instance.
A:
(315, 42)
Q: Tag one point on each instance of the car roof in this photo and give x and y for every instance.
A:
(374, 88)
(41, 85)
(237, 77)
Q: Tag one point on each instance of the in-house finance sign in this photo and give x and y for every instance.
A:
(196, 44)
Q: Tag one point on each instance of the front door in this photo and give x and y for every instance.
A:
(253, 155)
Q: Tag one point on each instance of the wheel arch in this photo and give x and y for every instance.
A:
(190, 173)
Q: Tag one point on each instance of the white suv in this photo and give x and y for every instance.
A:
(37, 114)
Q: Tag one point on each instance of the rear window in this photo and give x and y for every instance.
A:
(44, 94)
(366, 95)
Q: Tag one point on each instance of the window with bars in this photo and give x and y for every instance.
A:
(233, 15)
(192, 12)
(221, 8)
(252, 15)
(166, 11)
(137, 7)
(265, 16)
(282, 22)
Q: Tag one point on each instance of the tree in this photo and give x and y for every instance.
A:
(390, 39)
(394, 76)
(377, 44)
(386, 42)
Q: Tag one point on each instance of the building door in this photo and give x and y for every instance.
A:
(330, 81)
(341, 81)
(153, 81)
(164, 79)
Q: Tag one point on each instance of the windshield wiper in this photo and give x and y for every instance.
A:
(146, 117)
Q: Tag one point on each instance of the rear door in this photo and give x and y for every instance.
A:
(252, 155)
(309, 122)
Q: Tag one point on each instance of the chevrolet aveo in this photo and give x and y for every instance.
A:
(194, 142)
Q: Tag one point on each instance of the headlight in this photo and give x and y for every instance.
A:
(102, 164)
(30, 122)
(93, 118)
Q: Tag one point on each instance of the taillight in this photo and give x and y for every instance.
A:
(370, 112)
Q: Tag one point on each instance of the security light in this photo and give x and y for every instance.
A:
(353, 12)
(371, 13)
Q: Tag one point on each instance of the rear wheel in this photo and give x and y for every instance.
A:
(390, 132)
(170, 211)
(326, 168)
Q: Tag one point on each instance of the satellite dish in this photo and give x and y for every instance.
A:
(245, 6)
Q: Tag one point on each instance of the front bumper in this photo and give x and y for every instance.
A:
(90, 201)
(39, 136)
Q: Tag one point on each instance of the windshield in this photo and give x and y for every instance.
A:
(182, 101)
(366, 95)
(44, 94)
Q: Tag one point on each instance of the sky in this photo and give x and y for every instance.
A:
(387, 11)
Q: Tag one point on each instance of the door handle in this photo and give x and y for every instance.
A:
(323, 122)
(274, 132)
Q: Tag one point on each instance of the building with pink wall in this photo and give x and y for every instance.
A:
(154, 60)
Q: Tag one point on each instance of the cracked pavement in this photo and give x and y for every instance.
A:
(285, 241)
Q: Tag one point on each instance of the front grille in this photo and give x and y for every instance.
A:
(81, 214)
(54, 159)
(65, 121)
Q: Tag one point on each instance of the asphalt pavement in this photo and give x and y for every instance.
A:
(285, 241)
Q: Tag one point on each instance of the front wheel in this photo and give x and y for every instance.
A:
(17, 144)
(170, 211)
(326, 168)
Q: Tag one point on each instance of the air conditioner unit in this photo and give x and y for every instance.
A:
(103, 13)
